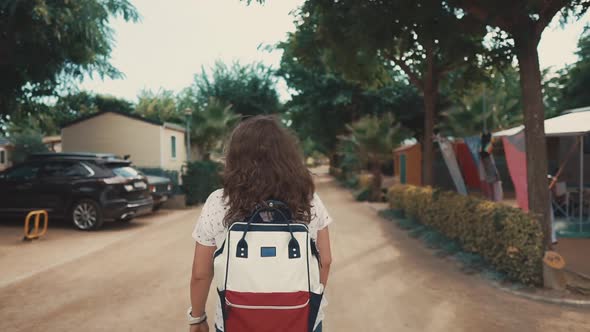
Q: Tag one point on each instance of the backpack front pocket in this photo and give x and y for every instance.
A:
(267, 312)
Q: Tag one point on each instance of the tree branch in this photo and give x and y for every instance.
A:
(475, 8)
(546, 14)
(430, 66)
(449, 68)
(415, 79)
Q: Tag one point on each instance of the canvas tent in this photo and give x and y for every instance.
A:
(573, 123)
(570, 124)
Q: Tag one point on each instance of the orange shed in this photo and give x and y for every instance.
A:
(408, 164)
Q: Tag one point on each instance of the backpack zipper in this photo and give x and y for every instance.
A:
(262, 307)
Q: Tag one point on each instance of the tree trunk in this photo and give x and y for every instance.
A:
(375, 194)
(430, 97)
(333, 158)
(534, 117)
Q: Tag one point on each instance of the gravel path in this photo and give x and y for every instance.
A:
(135, 278)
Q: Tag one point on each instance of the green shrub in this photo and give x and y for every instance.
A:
(172, 175)
(352, 182)
(348, 161)
(201, 179)
(335, 172)
(509, 239)
(362, 195)
(26, 143)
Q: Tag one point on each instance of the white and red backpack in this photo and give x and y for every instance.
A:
(268, 274)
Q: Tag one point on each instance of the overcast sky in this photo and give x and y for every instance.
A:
(175, 38)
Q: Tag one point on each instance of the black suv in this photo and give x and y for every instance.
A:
(87, 189)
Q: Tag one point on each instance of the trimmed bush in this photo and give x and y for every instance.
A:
(201, 179)
(361, 195)
(509, 239)
(365, 180)
(352, 182)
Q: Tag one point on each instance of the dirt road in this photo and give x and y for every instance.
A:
(135, 278)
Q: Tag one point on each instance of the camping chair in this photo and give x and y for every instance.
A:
(575, 207)
(561, 199)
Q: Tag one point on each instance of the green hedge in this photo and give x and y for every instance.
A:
(201, 179)
(172, 175)
(507, 238)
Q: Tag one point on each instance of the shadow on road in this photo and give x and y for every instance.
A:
(13, 227)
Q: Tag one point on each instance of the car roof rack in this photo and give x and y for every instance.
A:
(106, 157)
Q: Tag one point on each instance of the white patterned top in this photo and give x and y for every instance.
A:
(211, 231)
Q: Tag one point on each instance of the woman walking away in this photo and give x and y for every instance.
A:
(262, 239)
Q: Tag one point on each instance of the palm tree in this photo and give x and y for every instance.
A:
(375, 138)
(496, 102)
(160, 106)
(210, 124)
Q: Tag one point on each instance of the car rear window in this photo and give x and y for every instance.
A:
(125, 171)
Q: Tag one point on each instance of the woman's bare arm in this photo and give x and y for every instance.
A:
(201, 278)
(325, 254)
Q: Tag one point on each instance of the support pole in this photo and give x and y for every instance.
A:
(189, 115)
(188, 141)
(485, 114)
(581, 180)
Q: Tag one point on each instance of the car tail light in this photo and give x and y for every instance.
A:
(153, 189)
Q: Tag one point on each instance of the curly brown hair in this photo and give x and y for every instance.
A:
(263, 162)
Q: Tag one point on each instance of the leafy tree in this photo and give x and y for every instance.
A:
(569, 88)
(48, 119)
(250, 89)
(347, 165)
(211, 124)
(30, 115)
(375, 138)
(323, 102)
(308, 146)
(105, 103)
(47, 43)
(488, 105)
(321, 105)
(26, 142)
(426, 39)
(73, 106)
(159, 106)
(518, 25)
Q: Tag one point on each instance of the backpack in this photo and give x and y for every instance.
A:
(268, 274)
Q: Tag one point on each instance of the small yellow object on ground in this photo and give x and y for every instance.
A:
(31, 234)
(554, 260)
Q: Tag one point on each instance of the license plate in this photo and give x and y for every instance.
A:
(164, 199)
(140, 185)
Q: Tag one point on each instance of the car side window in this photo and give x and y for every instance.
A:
(53, 170)
(64, 169)
(22, 172)
(76, 170)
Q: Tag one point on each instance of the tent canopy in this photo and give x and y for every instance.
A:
(573, 123)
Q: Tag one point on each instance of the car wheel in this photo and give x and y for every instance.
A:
(156, 207)
(126, 220)
(86, 215)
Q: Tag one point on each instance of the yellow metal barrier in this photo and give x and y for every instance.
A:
(34, 233)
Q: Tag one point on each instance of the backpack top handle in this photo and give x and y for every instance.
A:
(271, 206)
